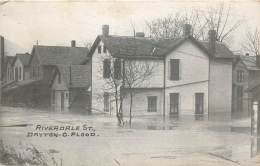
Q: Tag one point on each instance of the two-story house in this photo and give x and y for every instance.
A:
(190, 76)
(245, 71)
(70, 88)
(43, 64)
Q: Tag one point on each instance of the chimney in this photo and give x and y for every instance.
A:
(212, 41)
(73, 43)
(105, 30)
(139, 34)
(187, 30)
(258, 61)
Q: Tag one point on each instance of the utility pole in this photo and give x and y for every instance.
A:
(1, 65)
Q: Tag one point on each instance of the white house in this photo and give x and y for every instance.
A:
(189, 76)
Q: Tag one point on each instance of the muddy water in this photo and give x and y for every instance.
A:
(150, 140)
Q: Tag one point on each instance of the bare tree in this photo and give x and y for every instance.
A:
(218, 18)
(136, 73)
(124, 76)
(114, 85)
(252, 43)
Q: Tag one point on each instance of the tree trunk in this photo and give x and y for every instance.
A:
(130, 111)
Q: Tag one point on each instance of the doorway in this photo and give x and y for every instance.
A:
(199, 103)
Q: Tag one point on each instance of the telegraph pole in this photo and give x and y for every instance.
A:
(1, 65)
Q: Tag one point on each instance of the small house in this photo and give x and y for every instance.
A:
(71, 88)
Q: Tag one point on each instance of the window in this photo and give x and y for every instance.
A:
(8, 77)
(53, 97)
(117, 69)
(199, 103)
(174, 103)
(152, 103)
(240, 90)
(106, 102)
(38, 72)
(106, 68)
(99, 49)
(104, 49)
(174, 69)
(59, 78)
(20, 73)
(240, 76)
(33, 72)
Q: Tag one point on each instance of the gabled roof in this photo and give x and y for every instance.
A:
(8, 59)
(142, 47)
(249, 62)
(75, 76)
(53, 55)
(24, 58)
(222, 51)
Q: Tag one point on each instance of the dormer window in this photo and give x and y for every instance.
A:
(99, 49)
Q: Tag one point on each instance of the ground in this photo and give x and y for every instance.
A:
(150, 141)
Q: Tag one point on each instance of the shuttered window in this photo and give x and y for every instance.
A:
(152, 103)
(174, 69)
(106, 68)
(117, 69)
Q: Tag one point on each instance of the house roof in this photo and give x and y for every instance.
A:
(53, 55)
(75, 76)
(24, 58)
(127, 46)
(8, 59)
(250, 62)
(222, 51)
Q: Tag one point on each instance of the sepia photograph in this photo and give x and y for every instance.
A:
(129, 82)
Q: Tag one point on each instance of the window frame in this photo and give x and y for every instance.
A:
(106, 68)
(172, 74)
(151, 105)
(240, 76)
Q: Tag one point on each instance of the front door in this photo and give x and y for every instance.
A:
(199, 103)
(62, 101)
(174, 103)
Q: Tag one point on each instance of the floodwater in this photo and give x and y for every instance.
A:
(150, 140)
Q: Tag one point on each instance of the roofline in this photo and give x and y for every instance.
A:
(191, 38)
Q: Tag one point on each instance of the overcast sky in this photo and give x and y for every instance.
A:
(22, 23)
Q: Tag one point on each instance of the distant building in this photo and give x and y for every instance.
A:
(36, 91)
(245, 75)
(190, 76)
(9, 72)
(21, 67)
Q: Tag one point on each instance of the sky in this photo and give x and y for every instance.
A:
(23, 23)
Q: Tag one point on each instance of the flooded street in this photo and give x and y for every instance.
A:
(150, 140)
